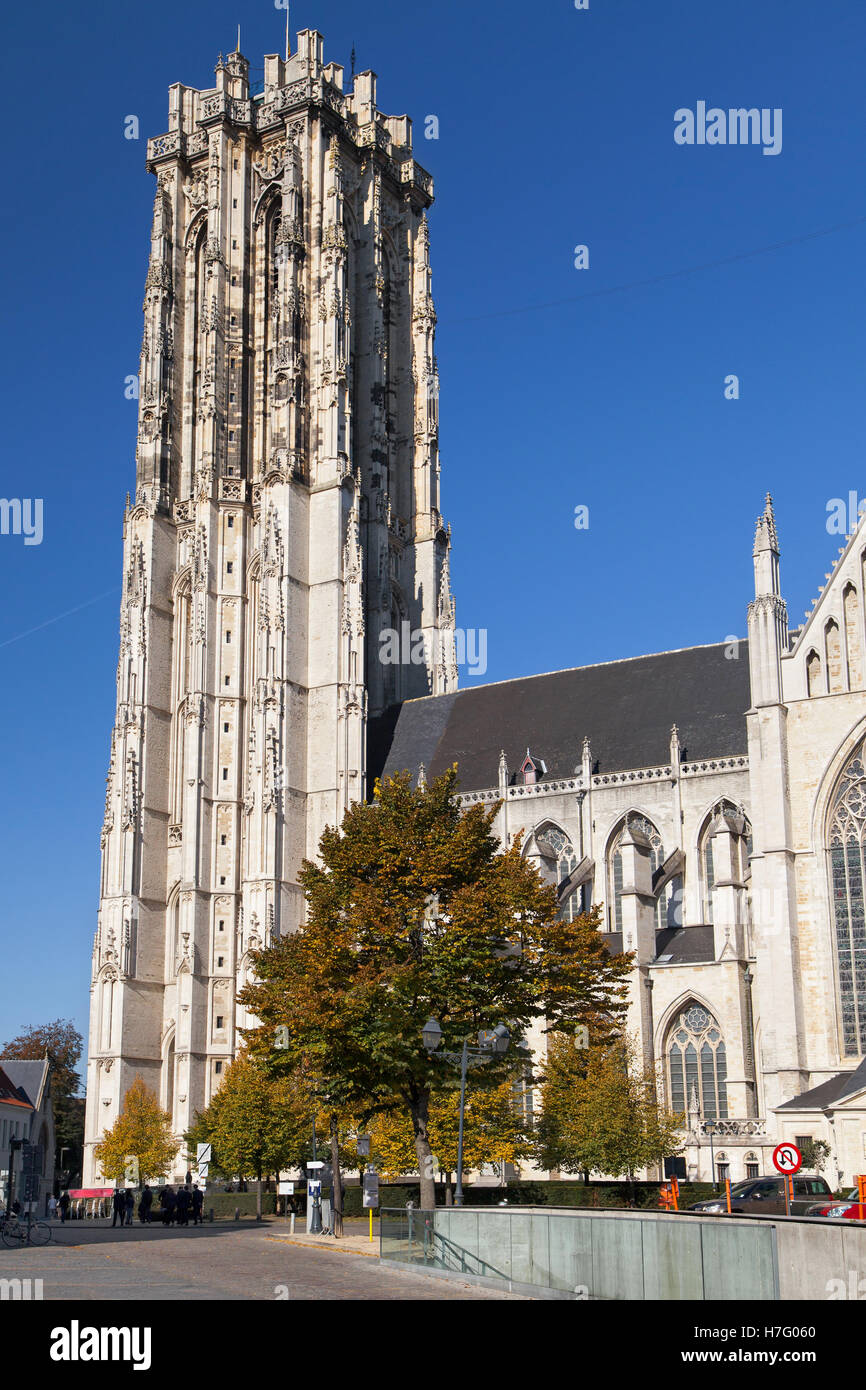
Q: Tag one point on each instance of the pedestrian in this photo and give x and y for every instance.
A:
(52, 1207)
(118, 1202)
(183, 1202)
(165, 1201)
(129, 1204)
(16, 1207)
(144, 1206)
(197, 1206)
(64, 1207)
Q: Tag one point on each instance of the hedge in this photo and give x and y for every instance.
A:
(517, 1193)
(535, 1194)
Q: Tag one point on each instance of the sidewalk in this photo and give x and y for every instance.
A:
(352, 1242)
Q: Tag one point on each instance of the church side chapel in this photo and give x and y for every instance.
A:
(711, 800)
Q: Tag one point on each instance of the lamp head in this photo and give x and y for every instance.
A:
(431, 1034)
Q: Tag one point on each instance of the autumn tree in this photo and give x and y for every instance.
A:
(600, 1111)
(141, 1132)
(495, 1130)
(63, 1044)
(413, 912)
(257, 1123)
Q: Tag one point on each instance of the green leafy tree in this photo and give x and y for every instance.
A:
(815, 1154)
(600, 1111)
(63, 1044)
(414, 911)
(142, 1133)
(257, 1123)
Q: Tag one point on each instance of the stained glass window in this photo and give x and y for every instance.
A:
(562, 850)
(847, 834)
(696, 1061)
(669, 904)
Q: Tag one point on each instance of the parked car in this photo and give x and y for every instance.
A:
(848, 1207)
(766, 1196)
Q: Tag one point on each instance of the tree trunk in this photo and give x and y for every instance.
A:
(338, 1181)
(419, 1111)
(449, 1200)
(259, 1195)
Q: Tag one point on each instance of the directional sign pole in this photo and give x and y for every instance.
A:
(787, 1160)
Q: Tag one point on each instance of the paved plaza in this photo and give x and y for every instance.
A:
(226, 1261)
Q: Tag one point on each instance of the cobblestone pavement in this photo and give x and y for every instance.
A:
(225, 1261)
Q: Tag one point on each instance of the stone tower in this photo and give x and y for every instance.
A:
(286, 514)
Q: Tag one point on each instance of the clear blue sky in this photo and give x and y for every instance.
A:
(559, 387)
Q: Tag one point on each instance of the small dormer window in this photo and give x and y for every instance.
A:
(531, 770)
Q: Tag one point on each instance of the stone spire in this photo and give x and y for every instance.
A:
(766, 552)
(768, 617)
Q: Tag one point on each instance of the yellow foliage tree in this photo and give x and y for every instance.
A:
(494, 1131)
(141, 1132)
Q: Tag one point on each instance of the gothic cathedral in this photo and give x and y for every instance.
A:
(711, 801)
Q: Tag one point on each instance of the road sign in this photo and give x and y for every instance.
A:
(371, 1190)
(203, 1170)
(314, 1188)
(315, 1163)
(203, 1154)
(787, 1158)
(362, 1146)
(286, 1189)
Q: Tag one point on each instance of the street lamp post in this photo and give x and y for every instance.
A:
(710, 1128)
(315, 1225)
(490, 1041)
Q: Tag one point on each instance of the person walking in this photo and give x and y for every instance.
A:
(118, 1202)
(183, 1201)
(144, 1206)
(129, 1204)
(64, 1207)
(167, 1201)
(197, 1206)
(52, 1207)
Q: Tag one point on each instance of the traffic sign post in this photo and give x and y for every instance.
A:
(787, 1160)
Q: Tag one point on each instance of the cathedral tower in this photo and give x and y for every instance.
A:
(286, 516)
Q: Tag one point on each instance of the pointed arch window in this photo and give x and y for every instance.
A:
(814, 674)
(743, 852)
(696, 1064)
(846, 849)
(668, 904)
(563, 853)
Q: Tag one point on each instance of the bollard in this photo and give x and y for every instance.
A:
(292, 1226)
(210, 1214)
(237, 1213)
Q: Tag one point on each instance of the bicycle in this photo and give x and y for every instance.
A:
(14, 1232)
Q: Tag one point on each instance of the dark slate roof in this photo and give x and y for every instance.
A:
(625, 708)
(685, 945)
(832, 1092)
(27, 1076)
